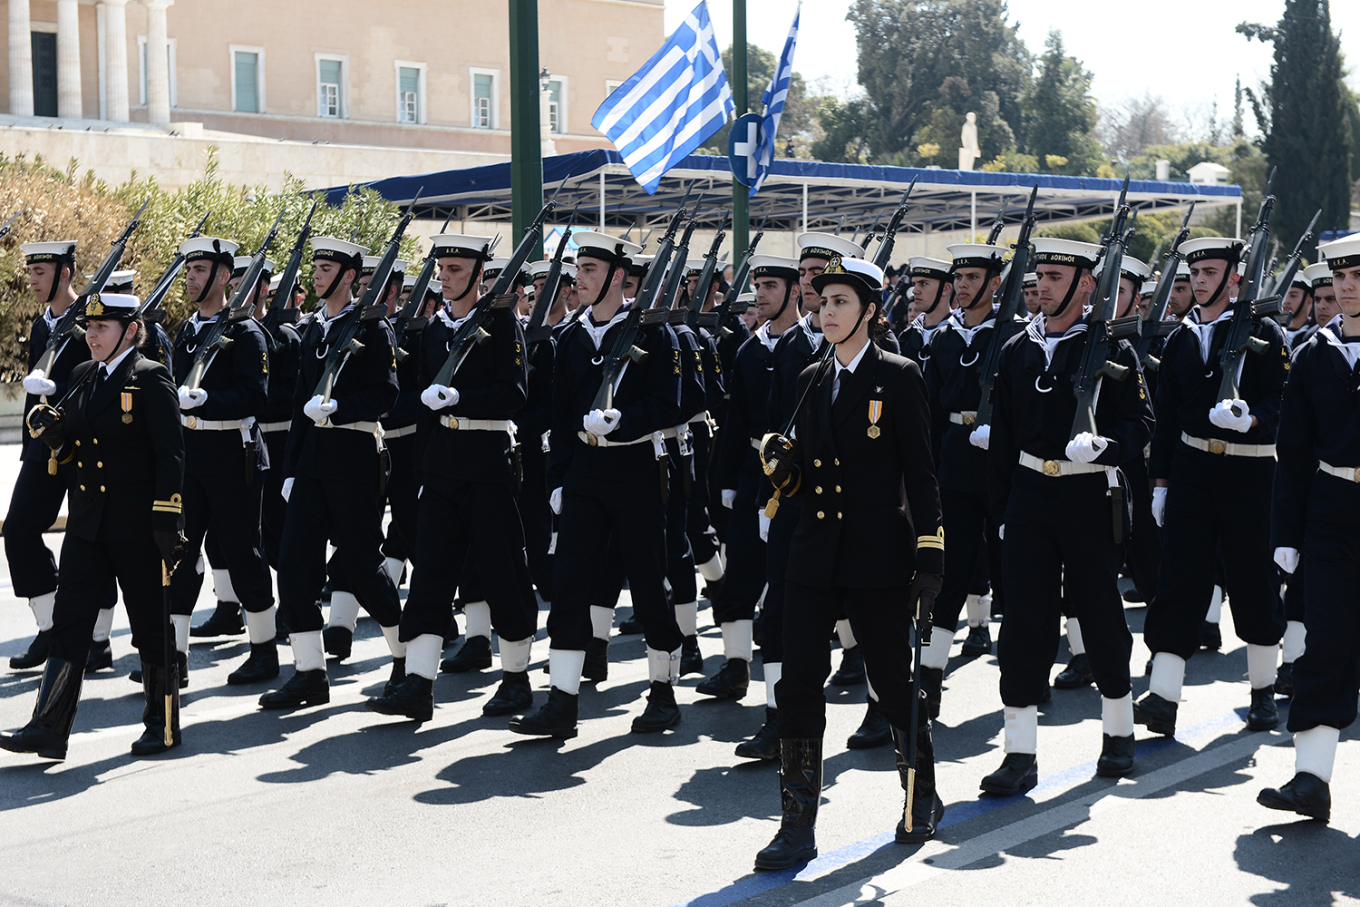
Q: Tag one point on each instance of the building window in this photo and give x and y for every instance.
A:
(557, 104)
(247, 79)
(330, 87)
(484, 113)
(410, 92)
(170, 69)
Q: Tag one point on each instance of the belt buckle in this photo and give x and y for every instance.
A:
(592, 440)
(191, 423)
(1217, 447)
(1052, 468)
(969, 418)
(451, 422)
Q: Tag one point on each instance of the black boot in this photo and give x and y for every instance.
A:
(851, 670)
(1076, 675)
(50, 727)
(1116, 757)
(1156, 714)
(662, 710)
(596, 666)
(1284, 680)
(303, 688)
(731, 681)
(412, 698)
(1305, 794)
(873, 730)
(515, 695)
(397, 677)
(225, 621)
(978, 642)
(1210, 636)
(473, 655)
(800, 793)
(926, 807)
(691, 659)
(152, 740)
(765, 744)
(100, 657)
(338, 642)
(36, 654)
(1263, 714)
(932, 683)
(1018, 773)
(262, 665)
(557, 718)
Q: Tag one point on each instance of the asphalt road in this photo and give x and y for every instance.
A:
(335, 805)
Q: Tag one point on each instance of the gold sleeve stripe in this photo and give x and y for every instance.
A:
(931, 541)
(171, 506)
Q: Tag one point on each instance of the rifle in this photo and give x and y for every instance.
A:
(885, 245)
(369, 308)
(714, 318)
(282, 309)
(1249, 305)
(9, 224)
(161, 288)
(68, 324)
(537, 330)
(239, 309)
(1012, 297)
(1154, 324)
(1000, 223)
(873, 230)
(706, 273)
(1291, 265)
(670, 288)
(409, 318)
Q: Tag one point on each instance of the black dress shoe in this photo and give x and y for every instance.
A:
(338, 642)
(302, 689)
(101, 656)
(596, 666)
(662, 711)
(1116, 757)
(557, 718)
(978, 642)
(1156, 714)
(691, 659)
(1076, 675)
(135, 675)
(1210, 637)
(851, 671)
(514, 696)
(765, 744)
(731, 681)
(36, 654)
(261, 665)
(226, 620)
(1019, 772)
(397, 677)
(793, 844)
(473, 655)
(630, 626)
(1284, 680)
(932, 683)
(1263, 714)
(873, 731)
(412, 698)
(1305, 794)
(711, 589)
(1133, 596)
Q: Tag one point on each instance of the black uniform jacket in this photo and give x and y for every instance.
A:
(492, 383)
(129, 470)
(715, 378)
(747, 410)
(1320, 422)
(693, 390)
(408, 408)
(871, 508)
(284, 353)
(955, 361)
(71, 352)
(237, 382)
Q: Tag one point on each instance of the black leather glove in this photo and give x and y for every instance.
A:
(778, 460)
(924, 588)
(171, 545)
(47, 424)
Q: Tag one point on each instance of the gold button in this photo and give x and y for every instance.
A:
(816, 462)
(96, 440)
(100, 464)
(818, 489)
(77, 443)
(101, 487)
(82, 487)
(839, 515)
(79, 465)
(838, 489)
(838, 461)
(820, 515)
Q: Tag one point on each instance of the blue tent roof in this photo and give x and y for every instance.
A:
(943, 199)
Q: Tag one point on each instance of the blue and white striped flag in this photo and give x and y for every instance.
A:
(775, 96)
(672, 104)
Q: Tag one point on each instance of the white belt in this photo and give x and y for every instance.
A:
(967, 418)
(1349, 473)
(1058, 467)
(267, 427)
(456, 424)
(368, 428)
(1228, 448)
(193, 423)
(653, 439)
(399, 432)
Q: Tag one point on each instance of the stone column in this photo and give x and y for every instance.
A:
(116, 81)
(157, 63)
(68, 60)
(20, 60)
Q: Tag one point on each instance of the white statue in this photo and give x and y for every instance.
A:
(970, 151)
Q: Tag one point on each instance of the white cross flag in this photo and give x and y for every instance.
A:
(775, 96)
(672, 104)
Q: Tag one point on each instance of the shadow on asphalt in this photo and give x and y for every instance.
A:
(1284, 854)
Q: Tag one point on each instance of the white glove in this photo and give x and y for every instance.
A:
(981, 436)
(555, 501)
(601, 422)
(318, 410)
(438, 397)
(764, 526)
(1159, 505)
(1001, 532)
(1287, 558)
(1222, 415)
(37, 383)
(192, 399)
(1085, 447)
(287, 487)
(729, 496)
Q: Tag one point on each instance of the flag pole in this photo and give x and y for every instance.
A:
(741, 208)
(526, 149)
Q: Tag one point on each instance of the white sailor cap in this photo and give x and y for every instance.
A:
(745, 300)
(827, 246)
(1341, 253)
(693, 266)
(493, 268)
(111, 305)
(1182, 271)
(461, 245)
(774, 266)
(341, 251)
(241, 262)
(976, 255)
(934, 268)
(1148, 288)
(209, 248)
(637, 264)
(121, 280)
(540, 269)
(274, 283)
(1053, 251)
(590, 244)
(1031, 280)
(1318, 275)
(1132, 268)
(1223, 248)
(865, 276)
(38, 252)
(371, 264)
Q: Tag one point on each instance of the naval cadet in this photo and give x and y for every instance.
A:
(932, 286)
(1297, 307)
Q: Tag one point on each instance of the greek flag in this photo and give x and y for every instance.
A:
(775, 95)
(672, 104)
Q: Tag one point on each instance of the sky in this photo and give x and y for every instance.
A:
(1185, 52)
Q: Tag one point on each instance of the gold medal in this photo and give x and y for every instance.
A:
(127, 418)
(125, 399)
(874, 431)
(875, 413)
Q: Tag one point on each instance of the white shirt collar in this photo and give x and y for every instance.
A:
(814, 337)
(853, 362)
(596, 332)
(112, 364)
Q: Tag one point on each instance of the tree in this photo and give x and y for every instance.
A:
(1307, 128)
(843, 127)
(1060, 113)
(1128, 129)
(795, 122)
